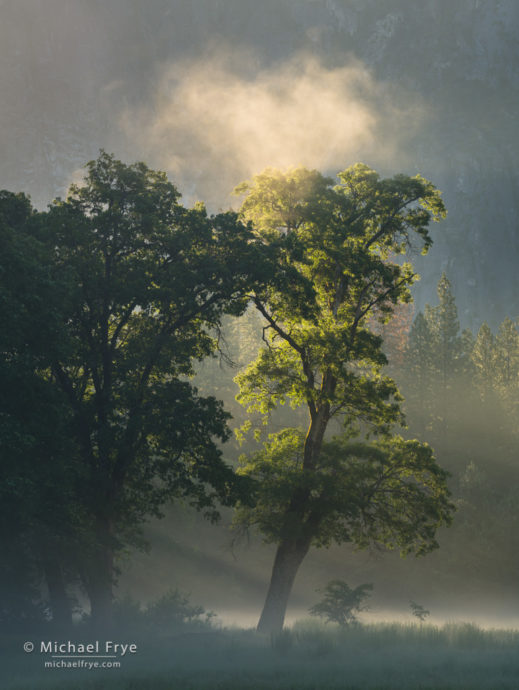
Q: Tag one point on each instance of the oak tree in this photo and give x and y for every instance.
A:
(340, 269)
(147, 284)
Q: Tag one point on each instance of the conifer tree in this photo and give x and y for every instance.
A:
(507, 354)
(434, 363)
(419, 371)
(444, 326)
(484, 358)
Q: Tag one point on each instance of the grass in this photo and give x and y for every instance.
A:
(309, 656)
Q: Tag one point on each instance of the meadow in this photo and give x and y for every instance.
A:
(307, 656)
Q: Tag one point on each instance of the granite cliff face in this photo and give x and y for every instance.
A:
(69, 68)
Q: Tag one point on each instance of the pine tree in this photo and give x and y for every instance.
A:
(506, 383)
(484, 358)
(434, 362)
(444, 326)
(419, 372)
(507, 354)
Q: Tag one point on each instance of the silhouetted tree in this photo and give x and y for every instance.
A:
(38, 472)
(144, 284)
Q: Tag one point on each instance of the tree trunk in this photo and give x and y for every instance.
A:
(59, 601)
(289, 556)
(98, 577)
(291, 552)
(101, 599)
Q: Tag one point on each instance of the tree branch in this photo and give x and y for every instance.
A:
(276, 327)
(66, 385)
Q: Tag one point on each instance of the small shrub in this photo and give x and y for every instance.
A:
(340, 602)
(419, 611)
(174, 610)
(171, 611)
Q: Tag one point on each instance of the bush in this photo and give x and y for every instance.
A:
(171, 611)
(340, 602)
(174, 610)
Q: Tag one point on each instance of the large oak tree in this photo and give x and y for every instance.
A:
(340, 269)
(147, 282)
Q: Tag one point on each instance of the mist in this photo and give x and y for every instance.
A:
(216, 121)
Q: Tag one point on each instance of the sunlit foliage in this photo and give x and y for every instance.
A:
(338, 272)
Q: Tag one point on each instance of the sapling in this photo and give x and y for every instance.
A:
(340, 602)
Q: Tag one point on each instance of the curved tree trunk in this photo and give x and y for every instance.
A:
(291, 552)
(289, 556)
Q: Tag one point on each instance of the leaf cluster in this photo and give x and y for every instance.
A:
(389, 492)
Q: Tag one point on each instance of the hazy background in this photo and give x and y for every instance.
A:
(212, 91)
